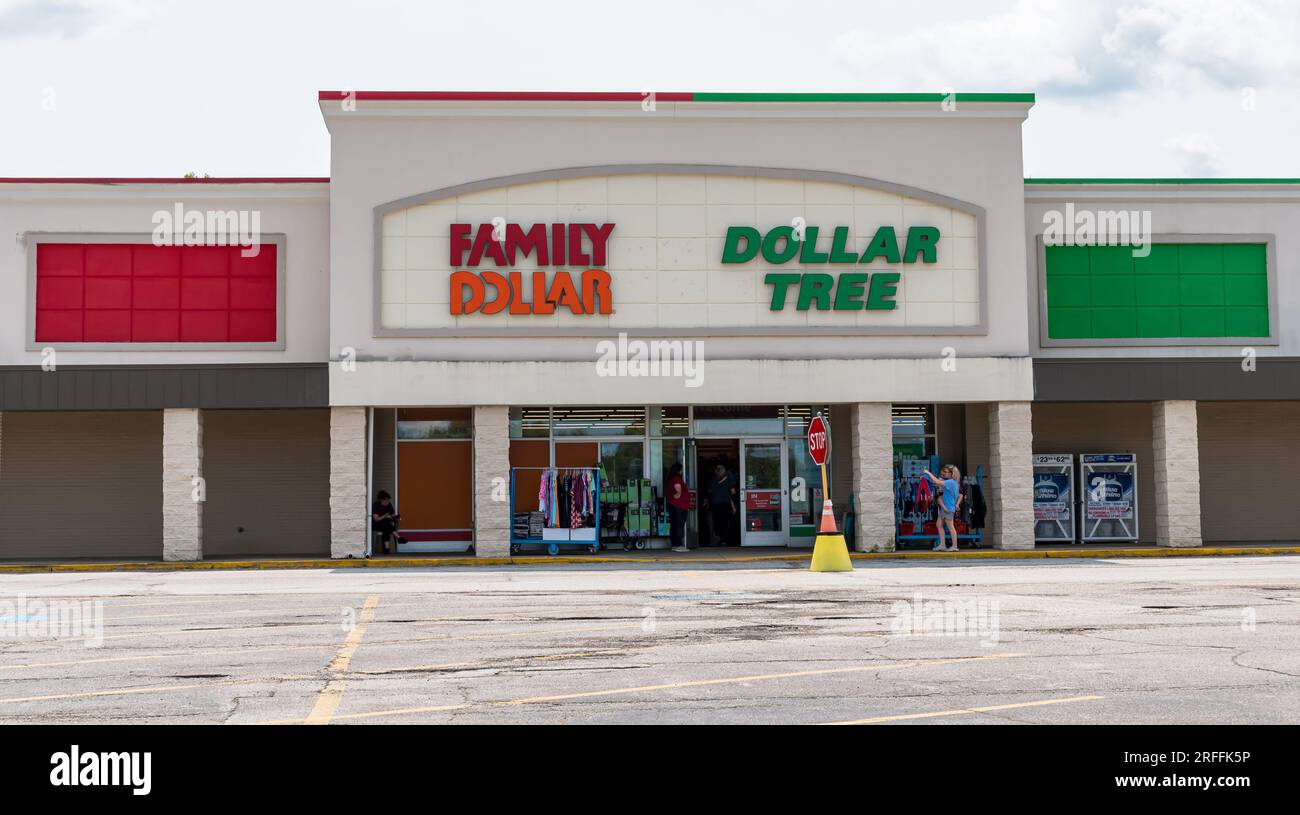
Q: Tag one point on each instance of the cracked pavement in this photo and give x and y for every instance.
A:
(1177, 640)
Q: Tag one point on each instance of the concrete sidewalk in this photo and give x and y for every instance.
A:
(661, 558)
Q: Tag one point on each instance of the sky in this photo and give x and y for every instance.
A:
(1125, 88)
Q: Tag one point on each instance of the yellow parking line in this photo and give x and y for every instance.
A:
(964, 710)
(151, 689)
(215, 630)
(733, 680)
(498, 662)
(332, 694)
(109, 617)
(65, 663)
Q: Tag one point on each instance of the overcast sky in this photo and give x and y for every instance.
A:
(1127, 88)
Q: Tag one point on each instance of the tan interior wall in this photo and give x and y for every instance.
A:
(1102, 427)
(267, 474)
(1241, 442)
(950, 427)
(76, 484)
(385, 454)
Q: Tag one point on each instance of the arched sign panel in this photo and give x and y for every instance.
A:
(675, 250)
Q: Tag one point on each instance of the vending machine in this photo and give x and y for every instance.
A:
(1110, 500)
(1054, 497)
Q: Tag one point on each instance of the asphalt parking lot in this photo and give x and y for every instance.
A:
(1196, 640)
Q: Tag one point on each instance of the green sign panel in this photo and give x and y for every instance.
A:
(1179, 290)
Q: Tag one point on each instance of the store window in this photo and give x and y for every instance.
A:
(674, 420)
(598, 421)
(621, 461)
(419, 424)
(664, 453)
(805, 484)
(738, 420)
(435, 475)
(914, 432)
(530, 422)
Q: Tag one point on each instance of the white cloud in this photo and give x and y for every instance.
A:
(1230, 44)
(1034, 46)
(1062, 47)
(66, 19)
(1198, 153)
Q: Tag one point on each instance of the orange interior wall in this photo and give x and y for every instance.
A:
(577, 454)
(528, 453)
(435, 483)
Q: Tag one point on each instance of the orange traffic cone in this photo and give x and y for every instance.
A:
(831, 551)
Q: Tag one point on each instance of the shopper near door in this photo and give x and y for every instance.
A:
(679, 504)
(948, 483)
(722, 503)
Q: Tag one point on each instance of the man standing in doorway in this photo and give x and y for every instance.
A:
(722, 504)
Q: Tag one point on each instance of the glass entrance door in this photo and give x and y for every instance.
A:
(764, 508)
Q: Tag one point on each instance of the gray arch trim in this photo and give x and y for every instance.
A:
(979, 329)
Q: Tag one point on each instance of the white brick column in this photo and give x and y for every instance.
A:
(1011, 475)
(1176, 464)
(182, 449)
(872, 454)
(492, 481)
(348, 502)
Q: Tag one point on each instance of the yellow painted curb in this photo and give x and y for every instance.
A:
(543, 560)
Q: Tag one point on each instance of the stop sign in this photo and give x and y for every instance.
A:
(818, 440)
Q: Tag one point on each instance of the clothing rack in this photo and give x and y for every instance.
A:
(915, 518)
(564, 511)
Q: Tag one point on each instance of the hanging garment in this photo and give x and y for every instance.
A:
(565, 503)
(576, 494)
(924, 497)
(978, 509)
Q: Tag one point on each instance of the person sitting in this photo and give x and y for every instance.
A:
(384, 518)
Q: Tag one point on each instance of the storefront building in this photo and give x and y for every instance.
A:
(515, 313)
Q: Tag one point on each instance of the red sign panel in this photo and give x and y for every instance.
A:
(129, 293)
(818, 440)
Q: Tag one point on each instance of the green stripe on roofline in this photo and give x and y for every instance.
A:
(1162, 180)
(860, 97)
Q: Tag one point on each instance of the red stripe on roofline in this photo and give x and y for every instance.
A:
(503, 96)
(233, 180)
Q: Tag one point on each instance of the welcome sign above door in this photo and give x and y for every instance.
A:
(724, 252)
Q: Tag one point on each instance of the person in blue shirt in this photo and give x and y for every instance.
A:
(948, 485)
